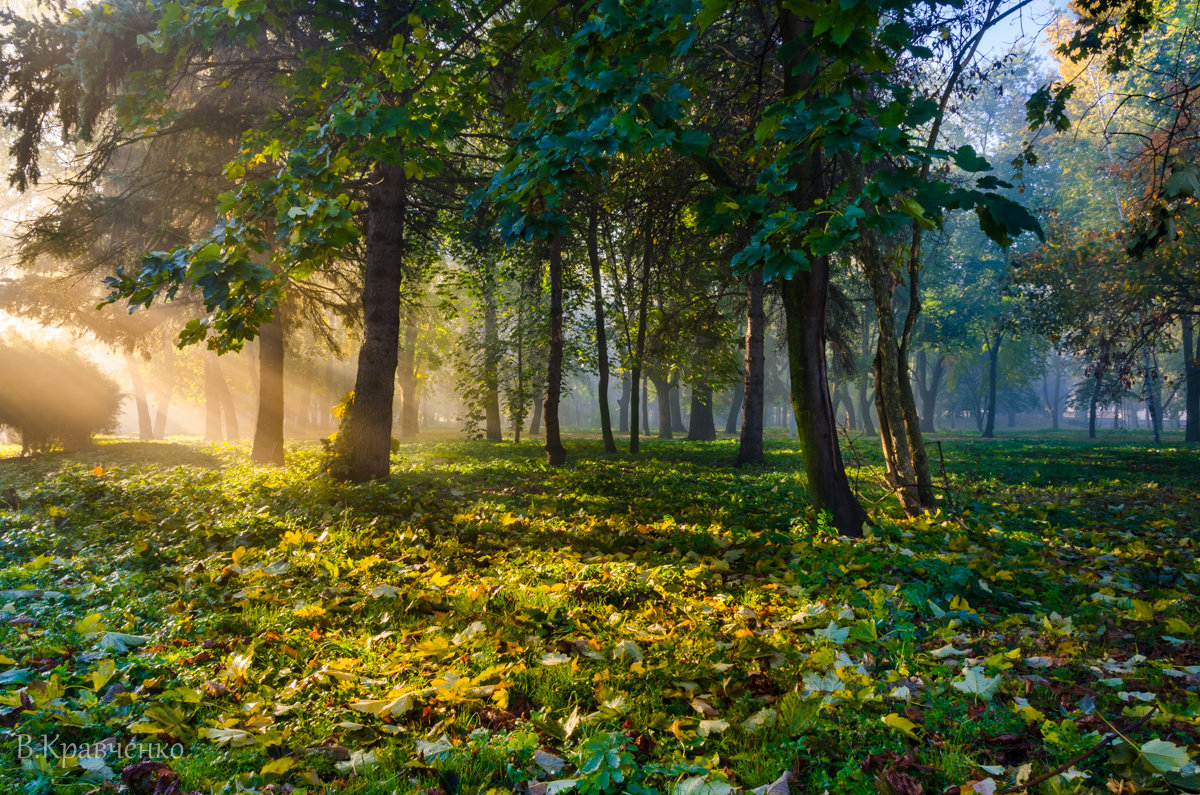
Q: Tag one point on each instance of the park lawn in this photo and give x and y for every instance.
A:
(479, 622)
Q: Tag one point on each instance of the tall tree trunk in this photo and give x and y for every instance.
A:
(491, 359)
(1055, 410)
(556, 454)
(1153, 399)
(754, 379)
(168, 390)
(268, 429)
(145, 427)
(899, 424)
(228, 406)
(989, 427)
(806, 307)
(408, 381)
(864, 403)
(735, 407)
(646, 406)
(636, 383)
(535, 423)
(805, 303)
(700, 418)
(1095, 402)
(610, 445)
(929, 383)
(623, 406)
(1191, 379)
(662, 390)
(676, 408)
(367, 432)
(212, 400)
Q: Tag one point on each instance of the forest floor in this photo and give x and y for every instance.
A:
(482, 623)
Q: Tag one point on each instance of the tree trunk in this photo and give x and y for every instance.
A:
(1191, 379)
(662, 390)
(491, 359)
(864, 403)
(556, 454)
(929, 383)
(535, 423)
(268, 429)
(1095, 402)
(636, 383)
(806, 307)
(754, 380)
(212, 400)
(623, 406)
(1153, 399)
(228, 406)
(646, 406)
(805, 299)
(735, 407)
(610, 445)
(168, 390)
(408, 381)
(367, 431)
(676, 408)
(145, 428)
(989, 427)
(700, 419)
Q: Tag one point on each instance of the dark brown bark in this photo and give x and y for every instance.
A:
(662, 391)
(1191, 385)
(145, 427)
(806, 304)
(268, 428)
(754, 381)
(701, 427)
(993, 352)
(1098, 380)
(676, 408)
(556, 454)
(366, 436)
(610, 445)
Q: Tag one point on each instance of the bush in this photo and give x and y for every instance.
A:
(53, 397)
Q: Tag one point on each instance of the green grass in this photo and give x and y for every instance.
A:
(652, 623)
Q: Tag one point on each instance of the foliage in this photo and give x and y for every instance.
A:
(54, 398)
(480, 621)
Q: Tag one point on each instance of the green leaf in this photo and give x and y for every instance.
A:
(976, 684)
(901, 724)
(1164, 757)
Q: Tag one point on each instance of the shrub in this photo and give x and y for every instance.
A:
(54, 397)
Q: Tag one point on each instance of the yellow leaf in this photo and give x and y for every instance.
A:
(54, 510)
(280, 766)
(1179, 627)
(104, 673)
(142, 516)
(90, 625)
(1144, 611)
(901, 724)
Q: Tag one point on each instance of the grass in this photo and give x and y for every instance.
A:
(480, 621)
